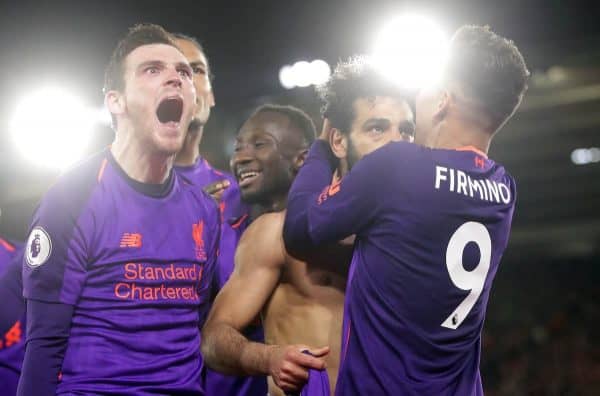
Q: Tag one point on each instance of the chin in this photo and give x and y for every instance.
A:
(251, 196)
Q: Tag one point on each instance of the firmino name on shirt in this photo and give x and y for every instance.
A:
(459, 182)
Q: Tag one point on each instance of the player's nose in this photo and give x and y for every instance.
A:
(173, 78)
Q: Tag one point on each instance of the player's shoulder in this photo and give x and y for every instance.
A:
(394, 153)
(265, 233)
(198, 197)
(75, 185)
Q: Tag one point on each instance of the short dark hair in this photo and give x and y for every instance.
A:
(297, 117)
(194, 40)
(353, 79)
(490, 69)
(137, 36)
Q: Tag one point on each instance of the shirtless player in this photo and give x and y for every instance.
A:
(301, 302)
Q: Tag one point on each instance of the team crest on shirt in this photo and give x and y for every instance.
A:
(39, 247)
(197, 235)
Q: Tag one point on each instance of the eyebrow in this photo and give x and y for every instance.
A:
(145, 64)
(384, 122)
(162, 64)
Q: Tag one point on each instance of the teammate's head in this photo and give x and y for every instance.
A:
(195, 54)
(270, 148)
(149, 89)
(483, 83)
(364, 110)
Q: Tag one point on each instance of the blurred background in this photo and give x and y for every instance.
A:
(543, 323)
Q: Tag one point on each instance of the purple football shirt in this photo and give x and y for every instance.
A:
(431, 228)
(137, 270)
(12, 342)
(234, 214)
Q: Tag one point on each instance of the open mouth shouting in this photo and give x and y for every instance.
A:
(169, 111)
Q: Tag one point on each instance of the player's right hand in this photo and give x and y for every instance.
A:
(217, 189)
(288, 365)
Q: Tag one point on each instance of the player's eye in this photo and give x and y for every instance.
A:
(260, 143)
(185, 73)
(199, 70)
(152, 70)
(376, 130)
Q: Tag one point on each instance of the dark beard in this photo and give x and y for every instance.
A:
(351, 154)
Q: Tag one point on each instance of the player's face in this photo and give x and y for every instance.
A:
(159, 96)
(378, 121)
(204, 94)
(262, 161)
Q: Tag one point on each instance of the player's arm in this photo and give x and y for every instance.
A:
(11, 294)
(317, 215)
(54, 268)
(258, 262)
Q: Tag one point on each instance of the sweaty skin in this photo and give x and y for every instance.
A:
(299, 303)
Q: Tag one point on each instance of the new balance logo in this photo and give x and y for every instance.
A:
(133, 240)
(479, 162)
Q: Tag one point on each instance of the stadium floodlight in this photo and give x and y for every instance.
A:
(585, 156)
(304, 74)
(51, 127)
(411, 51)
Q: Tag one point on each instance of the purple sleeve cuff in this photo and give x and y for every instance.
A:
(48, 327)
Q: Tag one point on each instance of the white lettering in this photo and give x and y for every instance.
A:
(504, 193)
(493, 190)
(439, 176)
(462, 182)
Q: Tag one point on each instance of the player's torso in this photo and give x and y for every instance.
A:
(137, 314)
(231, 208)
(423, 272)
(307, 308)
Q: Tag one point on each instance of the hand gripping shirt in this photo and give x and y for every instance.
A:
(234, 216)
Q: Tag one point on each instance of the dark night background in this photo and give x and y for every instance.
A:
(541, 334)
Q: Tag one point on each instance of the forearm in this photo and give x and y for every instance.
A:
(314, 176)
(226, 350)
(47, 334)
(11, 295)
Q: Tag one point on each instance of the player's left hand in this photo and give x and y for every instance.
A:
(217, 189)
(288, 365)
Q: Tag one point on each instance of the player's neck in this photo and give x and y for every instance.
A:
(453, 134)
(276, 205)
(139, 164)
(190, 152)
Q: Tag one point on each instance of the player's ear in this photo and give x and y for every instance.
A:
(338, 142)
(443, 105)
(114, 102)
(299, 159)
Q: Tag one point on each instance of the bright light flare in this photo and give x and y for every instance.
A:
(585, 156)
(303, 74)
(411, 51)
(52, 127)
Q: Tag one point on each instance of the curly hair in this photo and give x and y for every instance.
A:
(351, 80)
(490, 69)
